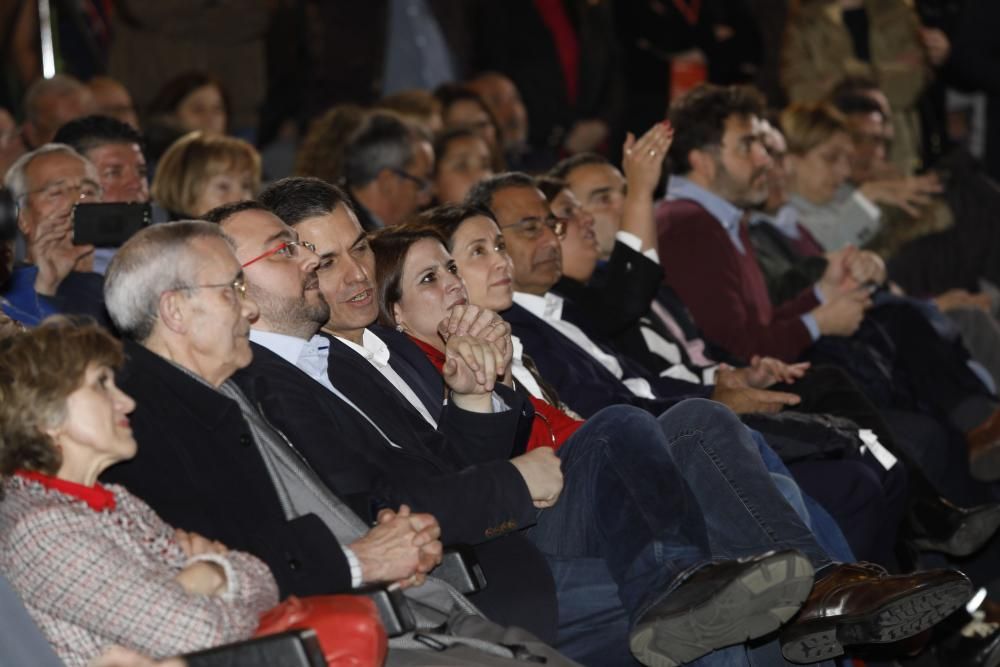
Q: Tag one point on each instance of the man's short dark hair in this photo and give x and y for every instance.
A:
(851, 103)
(296, 198)
(85, 134)
(383, 141)
(566, 165)
(482, 193)
(220, 214)
(699, 118)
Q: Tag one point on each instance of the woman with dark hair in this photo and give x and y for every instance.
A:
(192, 101)
(462, 159)
(93, 563)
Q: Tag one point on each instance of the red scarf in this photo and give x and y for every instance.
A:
(96, 496)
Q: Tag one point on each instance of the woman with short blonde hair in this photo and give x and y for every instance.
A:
(202, 171)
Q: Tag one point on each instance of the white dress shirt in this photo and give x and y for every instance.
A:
(549, 309)
(377, 353)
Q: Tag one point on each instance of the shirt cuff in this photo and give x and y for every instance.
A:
(635, 243)
(818, 293)
(357, 579)
(811, 325)
(866, 205)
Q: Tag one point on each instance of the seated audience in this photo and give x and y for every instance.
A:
(201, 171)
(56, 275)
(388, 166)
(321, 214)
(94, 564)
(463, 159)
(720, 170)
(178, 294)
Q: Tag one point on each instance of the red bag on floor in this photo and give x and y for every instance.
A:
(348, 627)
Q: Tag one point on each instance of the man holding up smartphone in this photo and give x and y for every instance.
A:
(56, 276)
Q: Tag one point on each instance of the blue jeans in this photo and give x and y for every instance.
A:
(646, 499)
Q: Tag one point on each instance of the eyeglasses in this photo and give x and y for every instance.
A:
(286, 250)
(534, 228)
(60, 191)
(238, 285)
(423, 185)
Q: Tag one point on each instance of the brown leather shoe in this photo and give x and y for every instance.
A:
(862, 604)
(984, 449)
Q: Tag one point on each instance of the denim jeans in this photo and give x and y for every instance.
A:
(646, 499)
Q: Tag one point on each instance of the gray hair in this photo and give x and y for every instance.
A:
(16, 178)
(382, 142)
(60, 85)
(157, 259)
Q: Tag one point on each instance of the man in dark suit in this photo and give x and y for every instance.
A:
(321, 215)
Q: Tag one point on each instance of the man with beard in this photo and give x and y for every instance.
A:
(719, 168)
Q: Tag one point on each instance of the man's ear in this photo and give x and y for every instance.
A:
(173, 311)
(702, 164)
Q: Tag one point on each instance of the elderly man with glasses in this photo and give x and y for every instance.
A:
(56, 276)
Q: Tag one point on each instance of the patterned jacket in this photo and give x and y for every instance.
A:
(94, 578)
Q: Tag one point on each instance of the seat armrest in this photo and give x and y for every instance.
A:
(296, 648)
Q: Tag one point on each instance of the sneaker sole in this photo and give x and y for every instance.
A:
(970, 537)
(754, 604)
(894, 621)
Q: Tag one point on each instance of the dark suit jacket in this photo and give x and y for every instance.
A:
(198, 468)
(458, 473)
(584, 384)
(447, 472)
(619, 292)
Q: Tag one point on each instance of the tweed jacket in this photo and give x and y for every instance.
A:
(94, 578)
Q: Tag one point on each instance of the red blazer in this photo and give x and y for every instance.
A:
(551, 428)
(724, 289)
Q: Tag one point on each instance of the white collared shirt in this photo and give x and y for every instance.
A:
(520, 372)
(377, 353)
(313, 358)
(548, 308)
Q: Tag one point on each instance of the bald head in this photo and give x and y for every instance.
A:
(51, 103)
